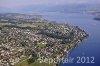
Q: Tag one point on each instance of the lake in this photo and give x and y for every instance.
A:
(90, 47)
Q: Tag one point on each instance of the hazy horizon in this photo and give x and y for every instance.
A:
(38, 5)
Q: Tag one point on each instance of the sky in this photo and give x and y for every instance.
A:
(38, 5)
(23, 3)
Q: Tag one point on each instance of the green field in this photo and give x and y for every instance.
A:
(35, 63)
(41, 45)
(26, 25)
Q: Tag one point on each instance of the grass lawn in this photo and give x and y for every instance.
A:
(41, 45)
(25, 25)
(35, 63)
(22, 62)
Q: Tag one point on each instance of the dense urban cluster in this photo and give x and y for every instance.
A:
(34, 39)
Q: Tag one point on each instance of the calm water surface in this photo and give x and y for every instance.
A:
(90, 47)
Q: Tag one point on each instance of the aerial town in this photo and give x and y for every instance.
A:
(31, 38)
